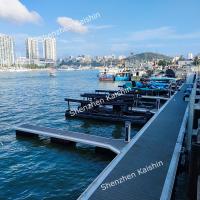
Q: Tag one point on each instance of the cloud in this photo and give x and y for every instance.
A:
(100, 27)
(72, 40)
(149, 34)
(185, 36)
(15, 11)
(162, 33)
(72, 25)
(123, 47)
(117, 47)
(161, 39)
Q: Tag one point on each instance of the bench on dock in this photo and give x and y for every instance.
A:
(70, 137)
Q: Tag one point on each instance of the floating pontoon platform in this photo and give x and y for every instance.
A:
(114, 145)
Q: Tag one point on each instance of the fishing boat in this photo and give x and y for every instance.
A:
(123, 76)
(162, 82)
(106, 75)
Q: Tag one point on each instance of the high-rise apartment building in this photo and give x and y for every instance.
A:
(50, 49)
(190, 56)
(32, 50)
(7, 57)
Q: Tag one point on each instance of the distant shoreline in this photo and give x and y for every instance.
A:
(40, 70)
(22, 70)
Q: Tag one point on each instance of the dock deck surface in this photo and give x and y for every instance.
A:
(154, 143)
(115, 145)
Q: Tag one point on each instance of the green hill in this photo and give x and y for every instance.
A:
(148, 56)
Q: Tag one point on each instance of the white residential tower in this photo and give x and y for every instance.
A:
(50, 49)
(32, 50)
(7, 57)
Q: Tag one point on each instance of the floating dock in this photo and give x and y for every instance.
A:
(145, 168)
(135, 108)
(159, 141)
(71, 138)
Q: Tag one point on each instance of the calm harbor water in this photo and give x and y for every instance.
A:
(36, 169)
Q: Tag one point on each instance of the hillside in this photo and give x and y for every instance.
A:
(148, 56)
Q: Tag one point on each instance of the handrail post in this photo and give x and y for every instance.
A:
(127, 131)
(158, 103)
(191, 117)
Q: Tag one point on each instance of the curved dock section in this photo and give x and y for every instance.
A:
(114, 145)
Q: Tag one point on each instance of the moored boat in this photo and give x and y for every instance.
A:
(106, 75)
(123, 76)
(52, 72)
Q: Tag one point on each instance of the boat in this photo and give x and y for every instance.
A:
(123, 76)
(123, 73)
(106, 75)
(162, 82)
(139, 120)
(109, 111)
(52, 72)
(154, 86)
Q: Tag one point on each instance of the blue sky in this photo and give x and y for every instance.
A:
(170, 26)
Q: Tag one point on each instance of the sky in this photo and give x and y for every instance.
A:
(120, 27)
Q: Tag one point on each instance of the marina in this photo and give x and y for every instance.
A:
(129, 110)
(156, 135)
(99, 100)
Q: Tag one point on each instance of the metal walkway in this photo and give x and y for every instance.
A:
(114, 145)
(151, 152)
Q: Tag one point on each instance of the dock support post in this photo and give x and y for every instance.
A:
(68, 105)
(158, 103)
(170, 92)
(127, 131)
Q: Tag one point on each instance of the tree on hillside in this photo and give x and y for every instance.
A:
(162, 63)
(196, 60)
(181, 58)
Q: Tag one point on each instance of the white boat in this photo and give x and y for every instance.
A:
(52, 72)
(107, 74)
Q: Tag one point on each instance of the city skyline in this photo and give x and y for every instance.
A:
(37, 51)
(122, 27)
(43, 51)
